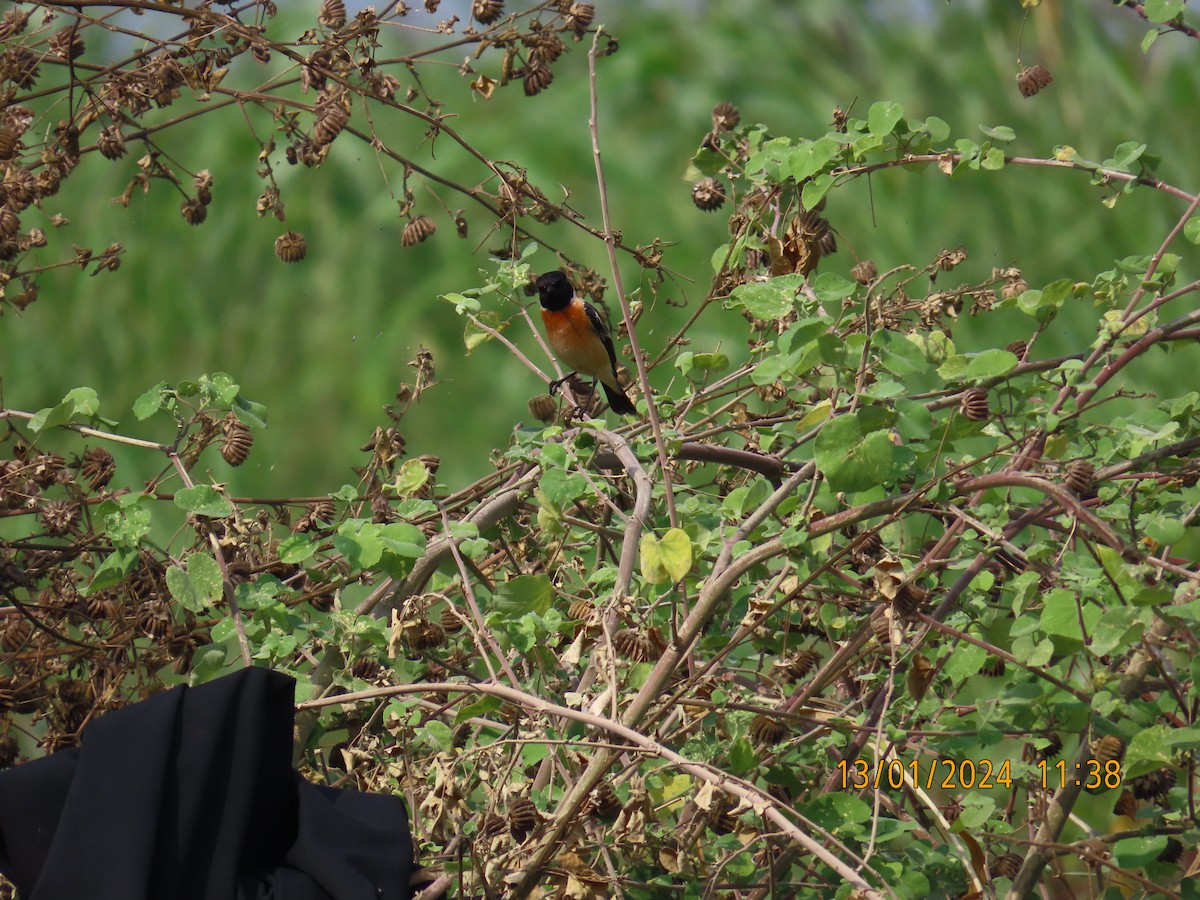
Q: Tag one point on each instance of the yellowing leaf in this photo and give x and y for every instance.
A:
(666, 559)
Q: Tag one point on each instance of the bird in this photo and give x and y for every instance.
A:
(579, 338)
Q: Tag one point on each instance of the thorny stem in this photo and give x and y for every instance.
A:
(610, 242)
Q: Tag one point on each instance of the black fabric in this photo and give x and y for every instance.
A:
(190, 795)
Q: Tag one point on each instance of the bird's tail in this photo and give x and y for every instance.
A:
(618, 401)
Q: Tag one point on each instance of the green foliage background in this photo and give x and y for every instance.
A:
(324, 344)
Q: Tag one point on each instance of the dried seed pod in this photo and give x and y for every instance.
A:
(493, 826)
(235, 447)
(994, 667)
(1013, 288)
(67, 42)
(543, 407)
(864, 272)
(537, 78)
(290, 247)
(485, 12)
(1108, 748)
(636, 645)
(1173, 852)
(10, 223)
(725, 117)
(908, 600)
(1126, 805)
(331, 119)
(579, 17)
(111, 142)
(798, 665)
(12, 23)
(450, 622)
(949, 259)
(21, 186)
(974, 404)
(708, 194)
(20, 66)
(604, 802)
(9, 139)
(194, 212)
(767, 730)
(317, 513)
(59, 516)
(523, 817)
(1154, 784)
(1006, 866)
(1051, 750)
(1033, 79)
(425, 635)
(881, 626)
(417, 230)
(97, 467)
(1079, 475)
(332, 14)
(1018, 349)
(365, 667)
(381, 510)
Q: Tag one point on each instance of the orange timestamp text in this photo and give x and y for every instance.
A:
(951, 774)
(965, 774)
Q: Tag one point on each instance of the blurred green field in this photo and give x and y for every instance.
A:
(324, 344)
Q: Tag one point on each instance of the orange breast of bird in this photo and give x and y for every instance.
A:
(575, 342)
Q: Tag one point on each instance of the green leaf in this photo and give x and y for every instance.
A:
(113, 570)
(1148, 39)
(126, 521)
(810, 157)
(403, 539)
(852, 460)
(742, 757)
(249, 412)
(205, 574)
(1161, 528)
(220, 388)
(772, 299)
(1149, 749)
(78, 402)
(203, 500)
(1061, 615)
(815, 189)
(977, 809)
(438, 734)
(562, 487)
(207, 663)
(523, 594)
(668, 558)
(461, 302)
(1163, 10)
(296, 549)
(1125, 156)
(360, 542)
(1001, 133)
(484, 706)
(196, 588)
(964, 662)
(150, 402)
(993, 160)
(883, 116)
(938, 129)
(1191, 229)
(474, 335)
(990, 364)
(1135, 852)
(413, 476)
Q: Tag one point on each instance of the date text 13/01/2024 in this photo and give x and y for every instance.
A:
(953, 774)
